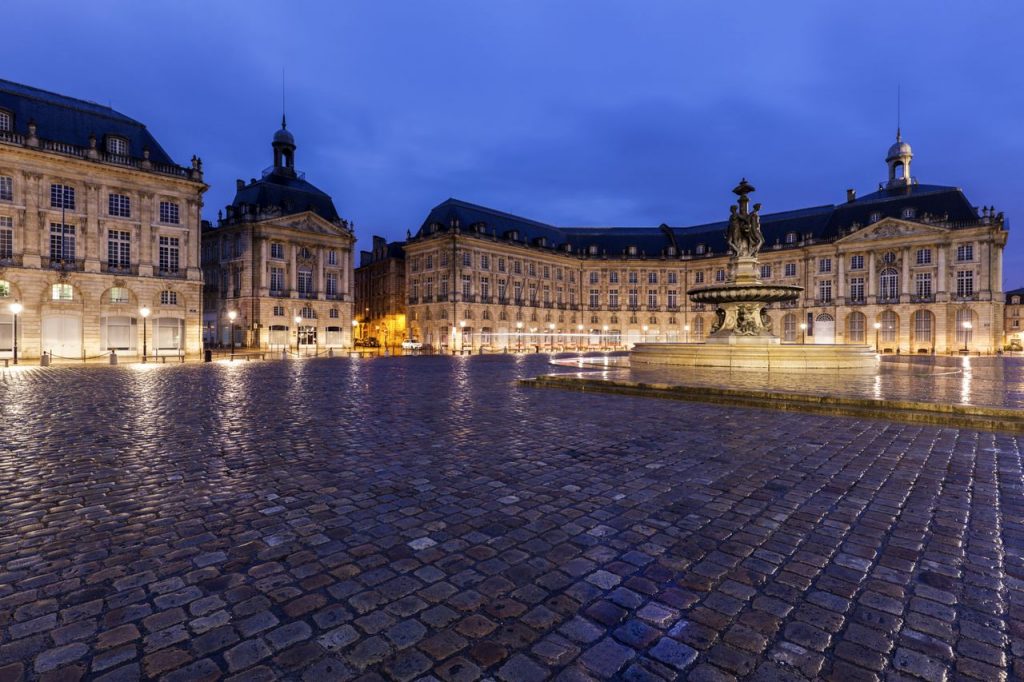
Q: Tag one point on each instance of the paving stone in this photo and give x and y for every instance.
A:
(606, 657)
(519, 668)
(673, 653)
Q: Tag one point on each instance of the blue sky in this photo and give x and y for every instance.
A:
(573, 112)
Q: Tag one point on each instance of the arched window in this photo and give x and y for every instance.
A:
(789, 328)
(307, 313)
(6, 121)
(698, 329)
(890, 326)
(889, 284)
(964, 326)
(5, 288)
(898, 170)
(856, 325)
(922, 326)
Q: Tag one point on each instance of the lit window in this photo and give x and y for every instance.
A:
(119, 205)
(923, 284)
(334, 313)
(924, 256)
(62, 243)
(700, 249)
(632, 251)
(856, 262)
(169, 213)
(6, 188)
(698, 278)
(825, 291)
(874, 217)
(62, 292)
(889, 281)
(5, 289)
(118, 295)
(964, 283)
(169, 252)
(909, 213)
(857, 289)
(119, 249)
(766, 272)
(118, 146)
(790, 270)
(791, 237)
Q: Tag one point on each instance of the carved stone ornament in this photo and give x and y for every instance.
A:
(120, 283)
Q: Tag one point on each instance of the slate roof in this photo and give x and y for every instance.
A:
(1015, 292)
(822, 223)
(287, 193)
(69, 120)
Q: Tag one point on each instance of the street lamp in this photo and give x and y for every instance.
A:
(16, 309)
(298, 321)
(604, 336)
(519, 336)
(232, 314)
(645, 328)
(579, 337)
(355, 332)
(551, 335)
(878, 325)
(144, 311)
(967, 330)
(462, 337)
(803, 332)
(686, 333)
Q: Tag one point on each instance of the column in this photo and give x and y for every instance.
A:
(997, 273)
(905, 277)
(32, 223)
(872, 278)
(258, 277)
(146, 238)
(321, 283)
(841, 282)
(293, 275)
(942, 276)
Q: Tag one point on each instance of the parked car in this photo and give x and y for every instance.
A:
(412, 344)
(369, 342)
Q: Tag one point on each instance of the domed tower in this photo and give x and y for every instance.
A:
(284, 150)
(898, 160)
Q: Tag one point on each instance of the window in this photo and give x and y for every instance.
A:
(633, 278)
(236, 282)
(698, 277)
(304, 252)
(634, 298)
(307, 313)
(169, 255)
(62, 196)
(720, 275)
(613, 298)
(225, 248)
(857, 262)
(857, 289)
(766, 272)
(790, 270)
(62, 243)
(874, 217)
(6, 121)
(547, 272)
(119, 205)
(889, 258)
(924, 256)
(613, 277)
(592, 249)
(430, 261)
(789, 328)
(532, 269)
(856, 327)
(652, 278)
(485, 261)
(791, 237)
(825, 291)
(965, 253)
(964, 283)
(593, 278)
(119, 249)
(923, 284)
(517, 267)
(922, 326)
(277, 250)
(168, 297)
(652, 298)
(673, 298)
(889, 284)
(277, 280)
(501, 264)
(332, 257)
(169, 213)
(6, 238)
(305, 281)
(118, 146)
(964, 326)
(6, 188)
(890, 326)
(467, 284)
(533, 293)
(908, 213)
(443, 260)
(5, 289)
(503, 289)
(118, 295)
(631, 250)
(825, 265)
(673, 277)
(333, 313)
(485, 287)
(700, 249)
(62, 292)
(467, 259)
(332, 284)
(517, 291)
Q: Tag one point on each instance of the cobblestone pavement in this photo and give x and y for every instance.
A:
(400, 518)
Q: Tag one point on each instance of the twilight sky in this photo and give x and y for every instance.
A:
(572, 112)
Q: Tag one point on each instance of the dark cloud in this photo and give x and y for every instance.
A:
(573, 112)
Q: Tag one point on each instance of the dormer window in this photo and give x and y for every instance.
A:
(671, 251)
(1015, 300)
(791, 237)
(592, 250)
(631, 250)
(700, 249)
(909, 213)
(117, 146)
(512, 235)
(874, 217)
(6, 121)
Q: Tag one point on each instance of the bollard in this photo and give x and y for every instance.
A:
(284, 354)
(113, 357)
(44, 359)
(207, 356)
(330, 352)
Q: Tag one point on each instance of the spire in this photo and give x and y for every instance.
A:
(284, 124)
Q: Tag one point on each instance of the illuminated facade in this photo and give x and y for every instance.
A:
(97, 226)
(380, 293)
(280, 259)
(910, 268)
(1012, 326)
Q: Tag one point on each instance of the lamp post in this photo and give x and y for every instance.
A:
(967, 330)
(298, 321)
(686, 333)
(579, 337)
(519, 336)
(645, 328)
(462, 337)
(878, 325)
(144, 311)
(355, 332)
(604, 336)
(803, 332)
(551, 335)
(232, 314)
(16, 309)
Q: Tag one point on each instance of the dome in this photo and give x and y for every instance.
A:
(900, 148)
(283, 136)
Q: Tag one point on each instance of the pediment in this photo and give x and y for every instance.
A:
(310, 223)
(892, 228)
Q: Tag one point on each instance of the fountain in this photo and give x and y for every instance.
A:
(741, 336)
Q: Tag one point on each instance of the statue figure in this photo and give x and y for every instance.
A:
(744, 231)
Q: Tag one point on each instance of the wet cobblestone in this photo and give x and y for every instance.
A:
(424, 517)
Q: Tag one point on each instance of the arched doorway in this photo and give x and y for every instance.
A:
(966, 323)
(856, 328)
(924, 332)
(889, 332)
(62, 336)
(824, 329)
(789, 328)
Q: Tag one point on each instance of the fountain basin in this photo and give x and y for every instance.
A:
(757, 355)
(739, 292)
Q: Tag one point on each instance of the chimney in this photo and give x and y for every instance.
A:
(851, 195)
(239, 183)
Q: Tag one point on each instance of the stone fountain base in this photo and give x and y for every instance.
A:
(753, 353)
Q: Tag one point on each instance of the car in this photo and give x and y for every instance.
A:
(412, 344)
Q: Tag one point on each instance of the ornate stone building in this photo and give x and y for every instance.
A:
(280, 259)
(380, 293)
(1014, 333)
(97, 225)
(910, 268)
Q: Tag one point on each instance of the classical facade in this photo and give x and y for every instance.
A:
(1012, 327)
(380, 293)
(98, 227)
(280, 260)
(909, 268)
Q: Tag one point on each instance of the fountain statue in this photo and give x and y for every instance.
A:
(741, 335)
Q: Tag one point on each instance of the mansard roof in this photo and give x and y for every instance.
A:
(942, 205)
(60, 118)
(280, 193)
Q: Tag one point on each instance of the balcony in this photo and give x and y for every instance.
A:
(503, 300)
(858, 300)
(413, 300)
(653, 308)
(888, 299)
(964, 297)
(307, 294)
(118, 269)
(469, 298)
(170, 273)
(548, 304)
(333, 297)
(279, 293)
(922, 298)
(69, 265)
